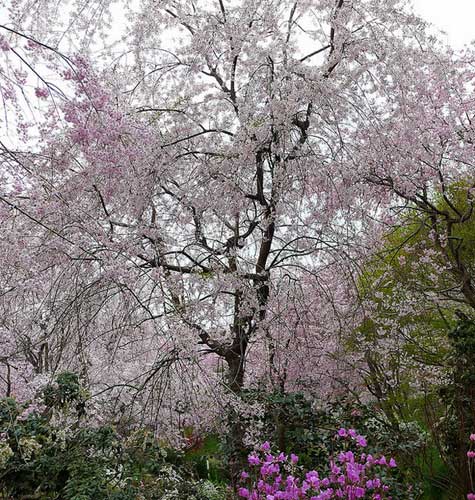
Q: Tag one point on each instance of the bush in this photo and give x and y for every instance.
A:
(50, 450)
(349, 474)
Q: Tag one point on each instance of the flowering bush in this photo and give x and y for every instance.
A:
(51, 449)
(352, 475)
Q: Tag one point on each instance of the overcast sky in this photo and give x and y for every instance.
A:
(456, 17)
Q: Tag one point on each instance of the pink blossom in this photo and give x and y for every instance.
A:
(42, 93)
(4, 45)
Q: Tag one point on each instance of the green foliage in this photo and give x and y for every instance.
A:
(413, 287)
(53, 451)
(457, 396)
(207, 459)
(65, 391)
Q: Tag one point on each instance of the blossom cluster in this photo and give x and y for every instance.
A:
(352, 475)
(471, 457)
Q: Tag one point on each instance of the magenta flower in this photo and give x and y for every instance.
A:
(243, 492)
(359, 492)
(265, 446)
(361, 441)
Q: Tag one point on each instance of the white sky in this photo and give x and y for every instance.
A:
(455, 17)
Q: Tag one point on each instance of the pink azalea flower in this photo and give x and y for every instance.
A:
(265, 446)
(361, 441)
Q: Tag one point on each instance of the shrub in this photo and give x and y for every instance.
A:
(350, 475)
